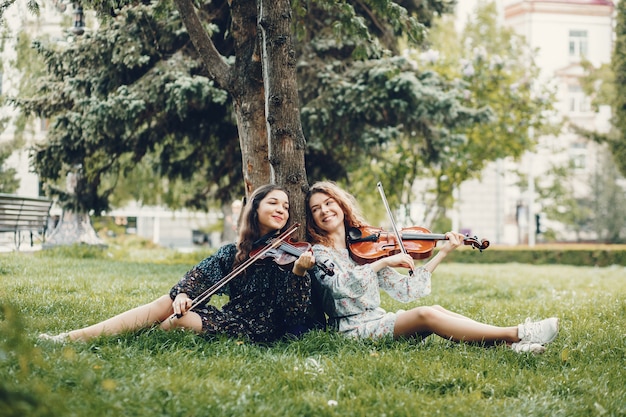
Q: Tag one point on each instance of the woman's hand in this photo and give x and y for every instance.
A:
(399, 260)
(304, 263)
(455, 240)
(181, 304)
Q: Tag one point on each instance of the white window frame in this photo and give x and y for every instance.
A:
(578, 43)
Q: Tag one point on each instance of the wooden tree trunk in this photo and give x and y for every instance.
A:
(248, 95)
(285, 137)
(262, 83)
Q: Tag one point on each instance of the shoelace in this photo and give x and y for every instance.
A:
(531, 329)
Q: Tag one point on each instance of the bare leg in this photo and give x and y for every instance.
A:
(155, 312)
(452, 326)
(451, 313)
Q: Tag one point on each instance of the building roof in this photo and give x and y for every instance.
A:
(573, 2)
(514, 8)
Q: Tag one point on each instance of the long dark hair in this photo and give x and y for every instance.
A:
(249, 228)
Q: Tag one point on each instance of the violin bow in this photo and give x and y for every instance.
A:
(393, 223)
(242, 267)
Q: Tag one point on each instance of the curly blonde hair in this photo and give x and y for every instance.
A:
(345, 200)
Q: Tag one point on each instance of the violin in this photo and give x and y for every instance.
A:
(288, 251)
(368, 244)
(260, 253)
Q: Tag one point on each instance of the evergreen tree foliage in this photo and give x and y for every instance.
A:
(369, 113)
(134, 92)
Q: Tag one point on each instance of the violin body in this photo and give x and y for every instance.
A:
(368, 244)
(285, 254)
(288, 252)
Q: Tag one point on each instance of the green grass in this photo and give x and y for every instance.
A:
(154, 373)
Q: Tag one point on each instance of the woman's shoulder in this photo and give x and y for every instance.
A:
(226, 251)
(318, 247)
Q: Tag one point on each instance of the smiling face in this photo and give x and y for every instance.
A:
(273, 211)
(326, 213)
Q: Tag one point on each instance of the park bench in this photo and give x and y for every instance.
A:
(24, 214)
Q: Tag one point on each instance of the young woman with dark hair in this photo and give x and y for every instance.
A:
(265, 301)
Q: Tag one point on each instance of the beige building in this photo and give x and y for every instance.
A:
(562, 32)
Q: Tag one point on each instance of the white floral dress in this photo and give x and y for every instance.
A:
(352, 294)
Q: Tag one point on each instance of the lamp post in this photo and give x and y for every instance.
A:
(79, 19)
(531, 193)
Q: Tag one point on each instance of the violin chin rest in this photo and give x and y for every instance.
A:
(354, 234)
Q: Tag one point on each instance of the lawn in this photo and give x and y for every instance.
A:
(154, 373)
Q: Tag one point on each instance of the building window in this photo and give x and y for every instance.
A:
(578, 154)
(577, 43)
(578, 101)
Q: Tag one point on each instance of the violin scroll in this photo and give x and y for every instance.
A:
(475, 243)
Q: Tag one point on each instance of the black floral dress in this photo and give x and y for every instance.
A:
(265, 301)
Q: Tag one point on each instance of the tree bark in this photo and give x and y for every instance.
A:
(262, 82)
(248, 95)
(284, 129)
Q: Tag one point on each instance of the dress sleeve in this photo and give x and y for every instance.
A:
(405, 288)
(206, 274)
(349, 280)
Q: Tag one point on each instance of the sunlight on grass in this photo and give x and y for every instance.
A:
(152, 372)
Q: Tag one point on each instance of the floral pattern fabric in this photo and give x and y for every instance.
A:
(352, 294)
(265, 301)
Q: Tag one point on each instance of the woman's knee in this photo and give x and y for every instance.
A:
(417, 321)
(161, 308)
(438, 308)
(164, 302)
(420, 314)
(426, 314)
(190, 320)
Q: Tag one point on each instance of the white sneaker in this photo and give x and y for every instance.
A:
(59, 338)
(523, 347)
(541, 332)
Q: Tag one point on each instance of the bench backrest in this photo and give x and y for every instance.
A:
(23, 213)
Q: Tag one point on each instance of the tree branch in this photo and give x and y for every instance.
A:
(218, 69)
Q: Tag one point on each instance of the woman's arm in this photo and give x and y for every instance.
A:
(454, 241)
(207, 273)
